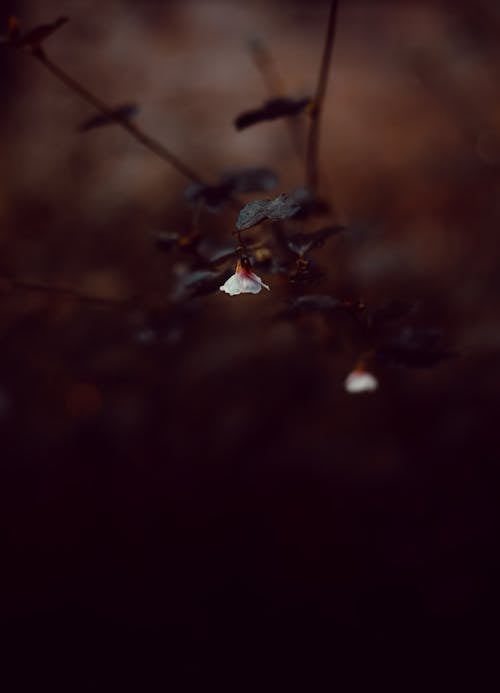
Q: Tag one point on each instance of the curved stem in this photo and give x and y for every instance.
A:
(312, 174)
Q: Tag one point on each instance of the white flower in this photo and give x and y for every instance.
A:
(243, 281)
(360, 381)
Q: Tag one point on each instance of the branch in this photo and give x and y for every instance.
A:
(266, 66)
(133, 130)
(314, 129)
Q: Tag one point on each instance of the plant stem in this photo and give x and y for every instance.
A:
(243, 246)
(266, 66)
(133, 130)
(312, 174)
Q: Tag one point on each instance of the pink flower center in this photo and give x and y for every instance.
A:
(244, 268)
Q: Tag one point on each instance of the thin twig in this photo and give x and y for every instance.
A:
(266, 66)
(242, 248)
(138, 134)
(133, 129)
(312, 174)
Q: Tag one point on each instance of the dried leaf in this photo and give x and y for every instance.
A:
(301, 243)
(126, 111)
(34, 38)
(282, 207)
(270, 110)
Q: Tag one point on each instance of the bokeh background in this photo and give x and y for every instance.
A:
(187, 489)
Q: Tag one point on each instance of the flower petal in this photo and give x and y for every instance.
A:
(258, 279)
(360, 381)
(250, 284)
(243, 283)
(232, 285)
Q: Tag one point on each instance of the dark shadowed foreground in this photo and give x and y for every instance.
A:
(188, 492)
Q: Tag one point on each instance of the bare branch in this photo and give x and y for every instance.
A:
(312, 174)
(133, 129)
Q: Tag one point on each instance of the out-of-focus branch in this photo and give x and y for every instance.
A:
(133, 129)
(312, 174)
(266, 66)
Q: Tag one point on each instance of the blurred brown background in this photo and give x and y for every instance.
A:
(176, 475)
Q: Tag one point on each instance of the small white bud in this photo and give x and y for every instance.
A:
(360, 381)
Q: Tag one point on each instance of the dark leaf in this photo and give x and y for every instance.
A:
(208, 284)
(166, 240)
(35, 37)
(272, 109)
(249, 180)
(238, 181)
(213, 196)
(282, 207)
(312, 303)
(415, 348)
(310, 204)
(301, 243)
(222, 258)
(124, 112)
(199, 283)
(391, 312)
